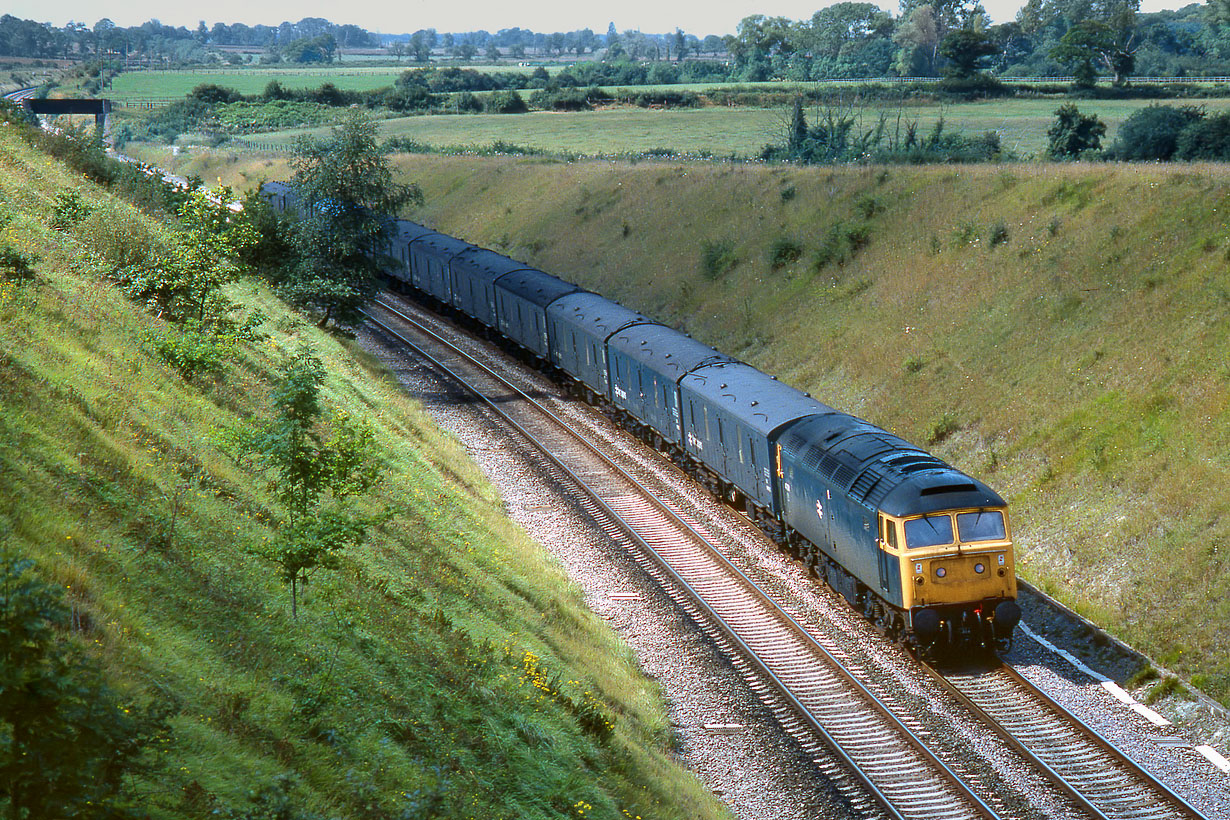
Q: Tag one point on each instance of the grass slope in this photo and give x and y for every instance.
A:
(447, 669)
(723, 131)
(1062, 332)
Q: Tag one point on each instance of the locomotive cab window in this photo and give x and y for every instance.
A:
(889, 531)
(987, 525)
(928, 531)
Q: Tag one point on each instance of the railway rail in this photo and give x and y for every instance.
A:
(882, 761)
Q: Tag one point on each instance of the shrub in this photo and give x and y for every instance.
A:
(68, 210)
(1208, 138)
(506, 102)
(943, 427)
(15, 265)
(716, 258)
(841, 243)
(997, 234)
(784, 251)
(1153, 133)
(1074, 135)
(194, 352)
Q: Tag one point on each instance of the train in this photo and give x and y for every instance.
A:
(923, 550)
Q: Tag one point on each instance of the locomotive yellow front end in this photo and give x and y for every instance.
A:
(958, 577)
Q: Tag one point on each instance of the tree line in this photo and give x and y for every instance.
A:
(927, 38)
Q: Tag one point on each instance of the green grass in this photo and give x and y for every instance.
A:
(1056, 330)
(722, 131)
(448, 663)
(137, 85)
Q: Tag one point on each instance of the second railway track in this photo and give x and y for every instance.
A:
(889, 769)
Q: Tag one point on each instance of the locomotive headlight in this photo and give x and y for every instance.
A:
(940, 572)
(979, 568)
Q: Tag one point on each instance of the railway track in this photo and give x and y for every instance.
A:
(888, 770)
(1108, 783)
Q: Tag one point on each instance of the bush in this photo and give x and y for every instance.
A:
(842, 242)
(1074, 135)
(68, 210)
(716, 258)
(506, 102)
(1208, 138)
(784, 251)
(15, 265)
(1153, 133)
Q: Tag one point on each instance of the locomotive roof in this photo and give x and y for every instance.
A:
(487, 262)
(757, 399)
(595, 314)
(540, 288)
(440, 244)
(664, 350)
(883, 470)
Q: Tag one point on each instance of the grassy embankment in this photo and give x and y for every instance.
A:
(1062, 332)
(446, 665)
(723, 131)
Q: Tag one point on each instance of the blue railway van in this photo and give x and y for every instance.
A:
(579, 325)
(521, 300)
(646, 363)
(473, 273)
(404, 232)
(430, 256)
(732, 416)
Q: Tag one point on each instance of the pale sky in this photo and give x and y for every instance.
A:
(698, 17)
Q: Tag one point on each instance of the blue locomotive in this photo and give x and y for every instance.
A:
(920, 548)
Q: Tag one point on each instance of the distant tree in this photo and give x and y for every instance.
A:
(312, 476)
(680, 44)
(465, 51)
(493, 53)
(963, 49)
(1074, 135)
(398, 49)
(918, 37)
(347, 194)
(421, 43)
(797, 134)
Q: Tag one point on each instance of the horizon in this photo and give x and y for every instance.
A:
(719, 17)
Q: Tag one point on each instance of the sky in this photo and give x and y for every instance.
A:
(698, 17)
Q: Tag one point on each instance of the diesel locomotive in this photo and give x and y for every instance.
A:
(922, 549)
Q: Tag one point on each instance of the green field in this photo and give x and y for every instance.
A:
(160, 85)
(1022, 126)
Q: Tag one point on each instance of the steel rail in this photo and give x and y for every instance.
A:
(944, 772)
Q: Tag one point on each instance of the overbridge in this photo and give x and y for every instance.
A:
(98, 107)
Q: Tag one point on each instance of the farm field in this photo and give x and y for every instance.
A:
(138, 85)
(723, 131)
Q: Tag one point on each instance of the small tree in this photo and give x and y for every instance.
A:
(311, 476)
(347, 194)
(1073, 134)
(67, 740)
